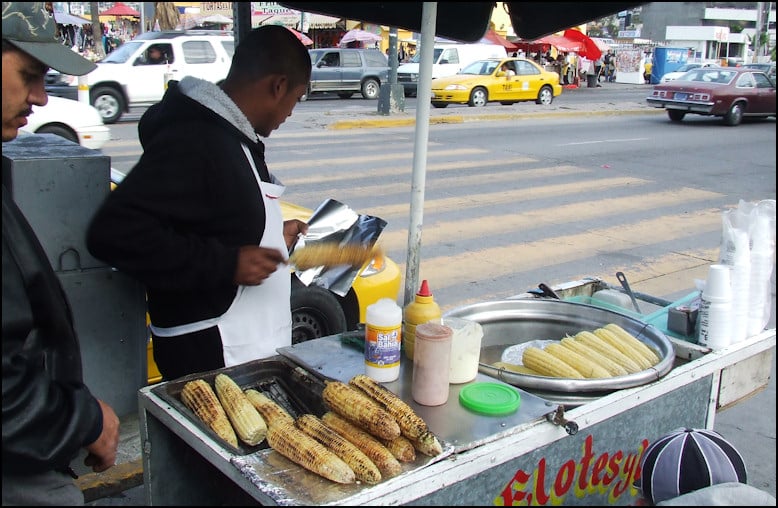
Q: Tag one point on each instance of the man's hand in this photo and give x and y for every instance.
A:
(292, 228)
(102, 453)
(255, 264)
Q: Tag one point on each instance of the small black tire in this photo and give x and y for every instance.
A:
(109, 103)
(676, 115)
(59, 130)
(371, 89)
(735, 115)
(316, 313)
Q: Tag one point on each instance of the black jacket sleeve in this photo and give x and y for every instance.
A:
(48, 412)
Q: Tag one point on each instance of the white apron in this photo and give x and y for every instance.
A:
(259, 320)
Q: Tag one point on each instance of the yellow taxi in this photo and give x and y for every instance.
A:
(506, 80)
(316, 311)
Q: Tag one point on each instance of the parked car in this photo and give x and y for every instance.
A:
(73, 120)
(318, 312)
(731, 93)
(448, 58)
(680, 71)
(482, 82)
(767, 68)
(347, 71)
(128, 77)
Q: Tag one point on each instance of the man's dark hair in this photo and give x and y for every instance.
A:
(268, 50)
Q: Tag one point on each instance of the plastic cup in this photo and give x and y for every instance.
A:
(718, 287)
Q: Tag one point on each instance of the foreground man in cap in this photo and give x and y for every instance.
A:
(49, 415)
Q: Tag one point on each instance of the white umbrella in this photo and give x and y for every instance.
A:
(357, 35)
(63, 18)
(218, 19)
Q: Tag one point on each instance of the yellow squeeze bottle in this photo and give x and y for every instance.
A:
(422, 309)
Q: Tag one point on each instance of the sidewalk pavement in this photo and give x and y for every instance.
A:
(592, 101)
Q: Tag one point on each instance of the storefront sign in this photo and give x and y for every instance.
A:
(611, 474)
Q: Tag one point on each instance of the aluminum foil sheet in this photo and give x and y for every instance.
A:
(291, 485)
(334, 221)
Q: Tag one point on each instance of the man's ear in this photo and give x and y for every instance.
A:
(279, 85)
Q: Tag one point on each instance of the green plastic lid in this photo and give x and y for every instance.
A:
(492, 399)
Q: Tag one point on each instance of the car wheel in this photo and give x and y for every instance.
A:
(478, 97)
(371, 89)
(676, 115)
(59, 130)
(735, 114)
(545, 96)
(440, 104)
(315, 313)
(109, 103)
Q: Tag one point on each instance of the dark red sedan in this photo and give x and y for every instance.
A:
(731, 93)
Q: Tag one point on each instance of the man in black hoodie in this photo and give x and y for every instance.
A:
(198, 219)
(49, 414)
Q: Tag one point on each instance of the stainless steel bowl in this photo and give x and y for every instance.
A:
(509, 322)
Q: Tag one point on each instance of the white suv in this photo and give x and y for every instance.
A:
(128, 77)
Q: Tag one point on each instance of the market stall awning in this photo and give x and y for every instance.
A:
(120, 9)
(560, 43)
(492, 37)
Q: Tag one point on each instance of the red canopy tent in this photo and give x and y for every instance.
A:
(590, 49)
(120, 9)
(561, 43)
(492, 37)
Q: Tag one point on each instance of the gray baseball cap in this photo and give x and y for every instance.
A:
(29, 27)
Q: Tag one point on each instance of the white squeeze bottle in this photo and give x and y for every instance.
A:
(383, 338)
(715, 318)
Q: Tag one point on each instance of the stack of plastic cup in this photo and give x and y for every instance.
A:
(761, 271)
(715, 318)
(741, 282)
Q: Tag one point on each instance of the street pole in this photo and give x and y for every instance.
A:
(392, 97)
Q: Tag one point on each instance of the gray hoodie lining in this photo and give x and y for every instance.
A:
(214, 98)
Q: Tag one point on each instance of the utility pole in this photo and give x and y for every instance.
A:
(758, 33)
(392, 95)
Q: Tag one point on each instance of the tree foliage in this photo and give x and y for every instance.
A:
(166, 13)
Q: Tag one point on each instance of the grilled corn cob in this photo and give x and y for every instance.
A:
(548, 364)
(198, 396)
(247, 422)
(401, 448)
(613, 368)
(302, 449)
(588, 368)
(370, 446)
(270, 411)
(364, 468)
(411, 424)
(519, 369)
(331, 254)
(589, 339)
(427, 444)
(624, 347)
(644, 349)
(359, 409)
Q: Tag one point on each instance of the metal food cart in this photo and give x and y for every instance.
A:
(586, 453)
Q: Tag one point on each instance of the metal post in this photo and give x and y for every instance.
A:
(392, 97)
(83, 89)
(423, 94)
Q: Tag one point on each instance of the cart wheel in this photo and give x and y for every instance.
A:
(316, 313)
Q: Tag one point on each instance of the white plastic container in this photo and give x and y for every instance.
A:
(465, 349)
(715, 317)
(383, 338)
